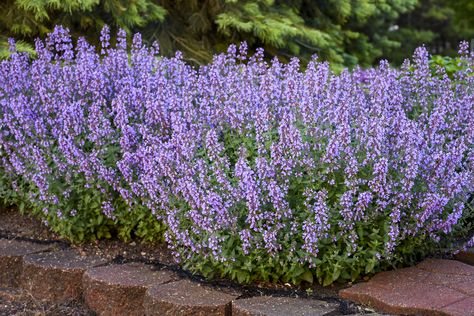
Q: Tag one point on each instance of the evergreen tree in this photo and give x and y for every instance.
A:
(28, 19)
(438, 24)
(464, 17)
(344, 32)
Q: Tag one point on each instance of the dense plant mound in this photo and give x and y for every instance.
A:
(251, 170)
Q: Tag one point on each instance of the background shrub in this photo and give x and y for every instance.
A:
(344, 32)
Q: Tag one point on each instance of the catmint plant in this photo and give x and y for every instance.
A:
(247, 168)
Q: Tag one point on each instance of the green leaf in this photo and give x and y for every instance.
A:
(369, 266)
(336, 273)
(327, 280)
(307, 276)
(242, 276)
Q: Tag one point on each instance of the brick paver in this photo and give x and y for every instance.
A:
(187, 298)
(56, 276)
(461, 308)
(119, 289)
(11, 259)
(435, 286)
(281, 306)
(449, 267)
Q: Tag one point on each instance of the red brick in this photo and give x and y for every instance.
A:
(402, 295)
(463, 307)
(11, 259)
(56, 276)
(119, 289)
(187, 298)
(411, 274)
(461, 283)
(446, 267)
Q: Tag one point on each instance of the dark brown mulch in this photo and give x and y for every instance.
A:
(15, 302)
(14, 223)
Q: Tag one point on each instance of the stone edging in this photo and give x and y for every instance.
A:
(433, 287)
(54, 274)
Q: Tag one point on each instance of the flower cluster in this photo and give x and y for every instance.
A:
(258, 169)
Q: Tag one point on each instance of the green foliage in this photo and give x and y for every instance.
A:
(449, 64)
(21, 46)
(79, 217)
(265, 22)
(138, 223)
(345, 32)
(439, 24)
(25, 19)
(464, 15)
(336, 261)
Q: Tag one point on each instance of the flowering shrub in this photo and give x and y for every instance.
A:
(248, 169)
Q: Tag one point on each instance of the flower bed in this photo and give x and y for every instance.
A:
(248, 169)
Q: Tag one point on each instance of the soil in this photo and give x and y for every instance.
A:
(14, 225)
(16, 302)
